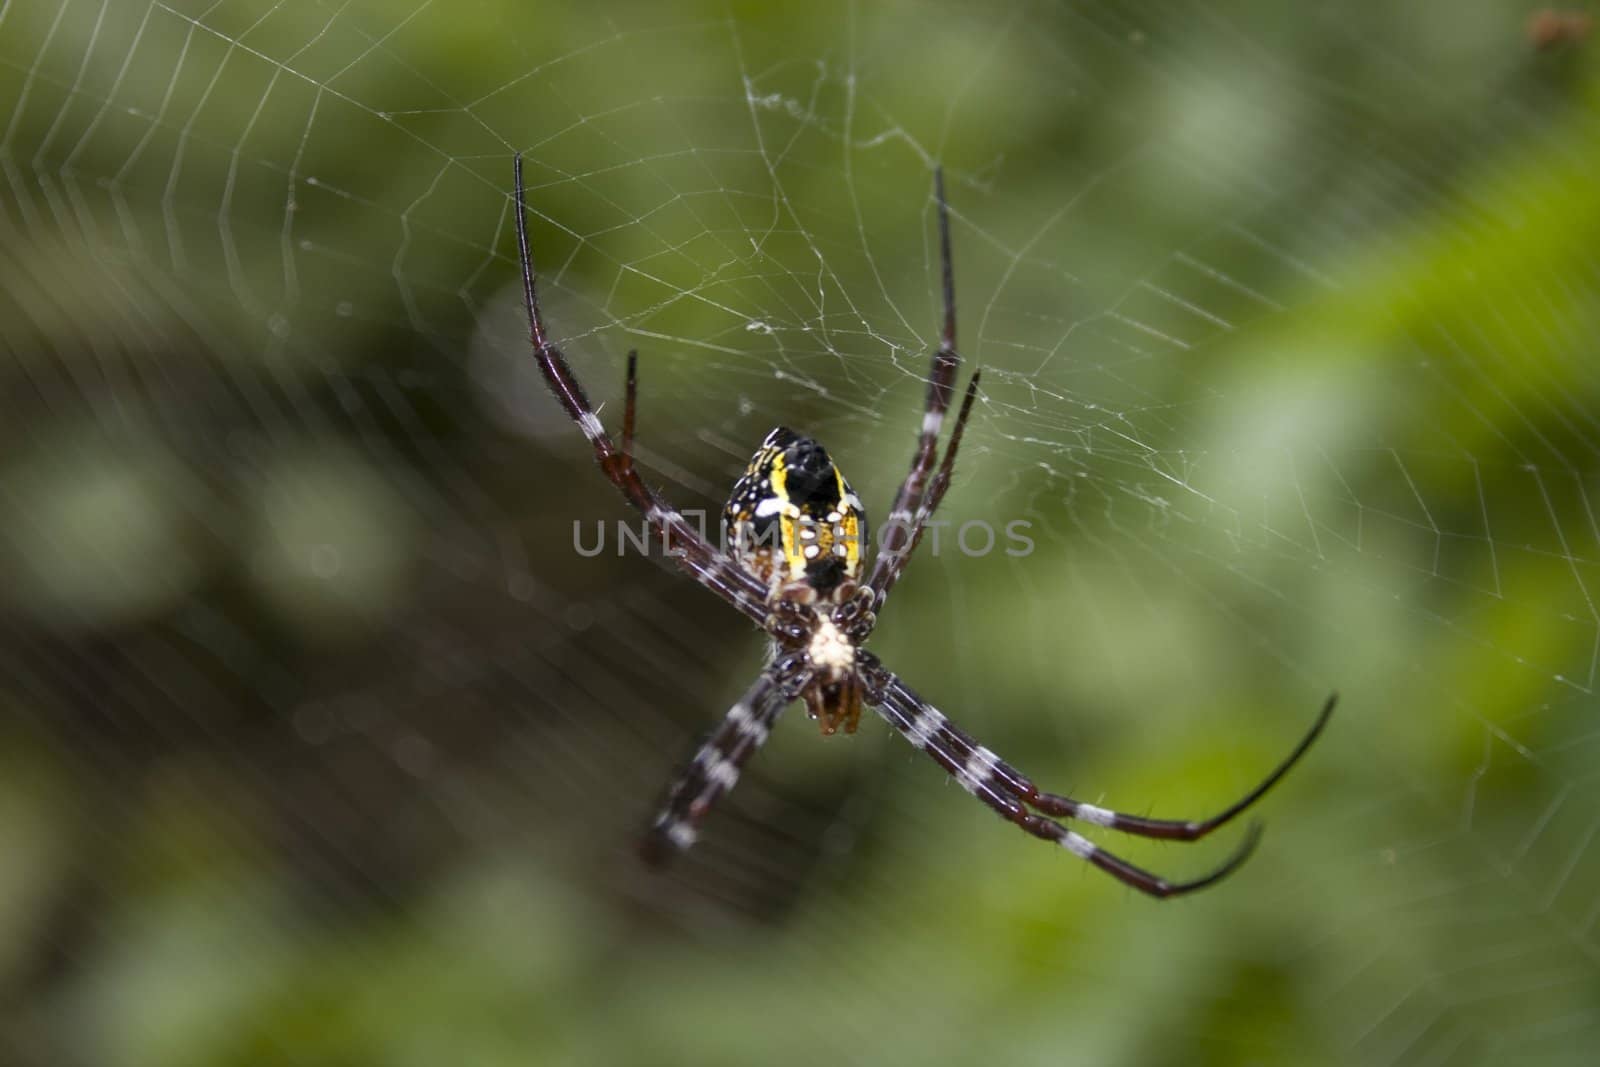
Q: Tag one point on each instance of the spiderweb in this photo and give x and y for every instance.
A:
(323, 739)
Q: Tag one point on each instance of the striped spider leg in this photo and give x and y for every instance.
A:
(910, 510)
(1011, 793)
(693, 552)
(797, 533)
(716, 766)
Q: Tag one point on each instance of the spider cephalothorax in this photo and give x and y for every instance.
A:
(797, 534)
(795, 523)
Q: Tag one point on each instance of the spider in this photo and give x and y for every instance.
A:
(797, 570)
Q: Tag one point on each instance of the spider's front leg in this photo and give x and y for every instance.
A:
(1010, 793)
(716, 766)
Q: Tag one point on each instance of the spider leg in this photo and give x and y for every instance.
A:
(1007, 791)
(683, 542)
(715, 767)
(936, 491)
(900, 525)
(1019, 785)
(1176, 829)
(630, 406)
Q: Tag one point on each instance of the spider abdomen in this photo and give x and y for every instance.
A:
(793, 518)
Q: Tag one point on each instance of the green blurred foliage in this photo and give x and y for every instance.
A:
(320, 744)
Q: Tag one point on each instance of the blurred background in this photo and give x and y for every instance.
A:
(321, 743)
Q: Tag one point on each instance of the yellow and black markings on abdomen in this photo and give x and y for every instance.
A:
(793, 517)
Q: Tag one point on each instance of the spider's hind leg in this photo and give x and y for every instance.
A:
(854, 617)
(630, 407)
